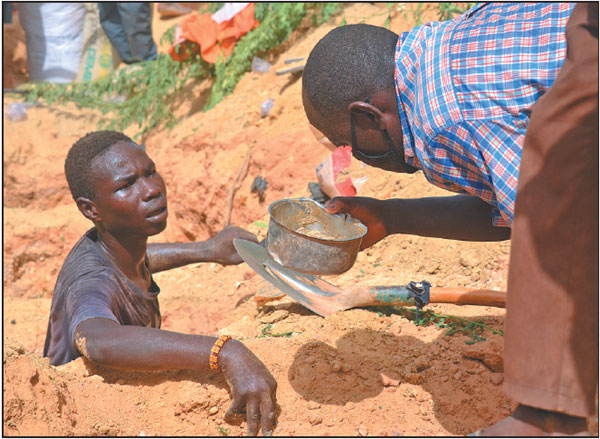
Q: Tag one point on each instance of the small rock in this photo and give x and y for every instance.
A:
(492, 359)
(274, 316)
(411, 393)
(390, 378)
(434, 268)
(497, 378)
(313, 405)
(346, 368)
(363, 431)
(457, 375)
(13, 322)
(315, 419)
(349, 405)
(336, 366)
(213, 410)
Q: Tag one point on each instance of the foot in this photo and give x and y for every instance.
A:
(530, 421)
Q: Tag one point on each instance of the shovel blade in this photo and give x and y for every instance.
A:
(320, 301)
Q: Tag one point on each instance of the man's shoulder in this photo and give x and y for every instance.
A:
(85, 260)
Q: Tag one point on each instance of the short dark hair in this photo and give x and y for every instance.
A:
(348, 64)
(80, 156)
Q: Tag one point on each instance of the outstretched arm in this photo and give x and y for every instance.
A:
(109, 344)
(459, 217)
(217, 249)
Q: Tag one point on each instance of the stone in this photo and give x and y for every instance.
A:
(336, 366)
(213, 410)
(491, 359)
(274, 316)
(315, 419)
(363, 431)
(390, 378)
(313, 405)
(497, 378)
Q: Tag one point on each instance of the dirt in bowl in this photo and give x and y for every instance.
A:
(316, 233)
(308, 218)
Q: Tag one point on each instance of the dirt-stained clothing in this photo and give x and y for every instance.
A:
(551, 342)
(89, 285)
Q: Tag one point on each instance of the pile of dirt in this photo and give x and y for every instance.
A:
(356, 372)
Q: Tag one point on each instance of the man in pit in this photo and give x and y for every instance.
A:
(105, 302)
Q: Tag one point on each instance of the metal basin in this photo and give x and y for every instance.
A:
(305, 238)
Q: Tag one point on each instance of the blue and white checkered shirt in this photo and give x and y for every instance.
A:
(465, 90)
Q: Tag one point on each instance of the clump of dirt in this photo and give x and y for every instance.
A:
(357, 372)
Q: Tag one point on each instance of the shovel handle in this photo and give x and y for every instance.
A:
(468, 296)
(361, 295)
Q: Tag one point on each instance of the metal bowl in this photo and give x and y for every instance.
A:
(305, 238)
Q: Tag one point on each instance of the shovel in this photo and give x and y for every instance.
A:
(324, 298)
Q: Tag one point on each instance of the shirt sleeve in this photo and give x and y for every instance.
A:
(479, 158)
(90, 297)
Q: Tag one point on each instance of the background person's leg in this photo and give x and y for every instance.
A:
(137, 22)
(551, 342)
(112, 24)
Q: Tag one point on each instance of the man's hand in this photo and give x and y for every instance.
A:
(221, 245)
(368, 210)
(253, 388)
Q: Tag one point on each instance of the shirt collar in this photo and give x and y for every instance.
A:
(407, 136)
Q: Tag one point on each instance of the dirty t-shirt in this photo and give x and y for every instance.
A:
(90, 286)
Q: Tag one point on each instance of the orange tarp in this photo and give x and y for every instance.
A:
(214, 38)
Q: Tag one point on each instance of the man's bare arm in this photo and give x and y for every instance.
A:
(459, 217)
(217, 249)
(137, 348)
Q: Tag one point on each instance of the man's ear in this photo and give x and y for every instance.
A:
(374, 114)
(88, 208)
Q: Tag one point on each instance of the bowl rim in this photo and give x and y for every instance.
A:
(322, 207)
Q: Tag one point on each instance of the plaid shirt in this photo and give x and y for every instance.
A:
(465, 89)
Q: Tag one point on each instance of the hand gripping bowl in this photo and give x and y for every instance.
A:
(305, 238)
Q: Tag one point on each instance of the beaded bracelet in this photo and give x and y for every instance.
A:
(214, 351)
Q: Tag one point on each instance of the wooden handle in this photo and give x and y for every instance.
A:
(468, 296)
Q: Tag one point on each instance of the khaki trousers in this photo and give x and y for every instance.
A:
(551, 337)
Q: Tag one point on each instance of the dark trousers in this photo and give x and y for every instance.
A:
(129, 28)
(551, 341)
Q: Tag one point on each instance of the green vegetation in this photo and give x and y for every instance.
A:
(144, 93)
(453, 324)
(448, 11)
(266, 332)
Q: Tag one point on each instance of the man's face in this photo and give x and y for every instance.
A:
(130, 193)
(368, 139)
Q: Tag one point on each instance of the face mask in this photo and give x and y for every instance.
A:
(392, 160)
